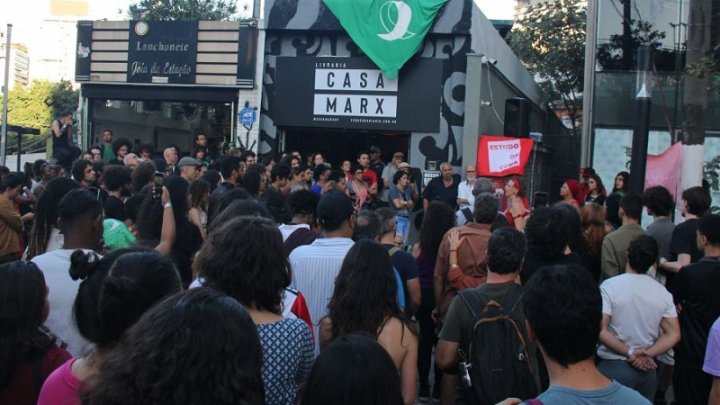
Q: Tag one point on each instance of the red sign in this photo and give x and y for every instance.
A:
(499, 156)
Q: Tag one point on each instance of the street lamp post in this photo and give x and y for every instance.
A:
(641, 129)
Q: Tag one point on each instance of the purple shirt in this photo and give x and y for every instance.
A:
(712, 354)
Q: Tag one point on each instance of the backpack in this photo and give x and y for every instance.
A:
(498, 355)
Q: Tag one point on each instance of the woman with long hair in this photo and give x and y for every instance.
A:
(596, 190)
(196, 347)
(116, 290)
(44, 235)
(27, 353)
(244, 258)
(612, 202)
(592, 220)
(516, 205)
(438, 219)
(569, 193)
(365, 300)
(199, 198)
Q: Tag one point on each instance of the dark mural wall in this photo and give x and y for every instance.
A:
(306, 28)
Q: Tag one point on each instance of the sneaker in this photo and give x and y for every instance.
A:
(436, 395)
(424, 394)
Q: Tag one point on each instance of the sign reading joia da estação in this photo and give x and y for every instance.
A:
(353, 93)
(162, 52)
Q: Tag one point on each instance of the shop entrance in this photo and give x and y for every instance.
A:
(338, 145)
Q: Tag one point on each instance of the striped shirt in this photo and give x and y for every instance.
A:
(314, 268)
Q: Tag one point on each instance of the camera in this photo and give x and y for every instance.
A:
(464, 374)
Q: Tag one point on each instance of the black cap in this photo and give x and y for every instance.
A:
(333, 208)
(374, 149)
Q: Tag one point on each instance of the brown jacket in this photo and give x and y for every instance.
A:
(471, 259)
(10, 227)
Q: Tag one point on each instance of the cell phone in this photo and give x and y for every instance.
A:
(157, 189)
(540, 200)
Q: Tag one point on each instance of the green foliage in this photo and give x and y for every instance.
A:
(182, 10)
(610, 55)
(710, 173)
(549, 38)
(708, 66)
(37, 105)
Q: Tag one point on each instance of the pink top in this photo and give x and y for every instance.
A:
(61, 387)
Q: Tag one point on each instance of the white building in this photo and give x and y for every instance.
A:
(19, 65)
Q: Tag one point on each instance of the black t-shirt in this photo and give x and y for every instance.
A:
(378, 167)
(115, 208)
(188, 240)
(696, 290)
(406, 266)
(436, 191)
(684, 240)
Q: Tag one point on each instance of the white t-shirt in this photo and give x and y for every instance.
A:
(287, 229)
(465, 191)
(62, 291)
(636, 303)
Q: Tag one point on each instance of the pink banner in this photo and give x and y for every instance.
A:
(664, 169)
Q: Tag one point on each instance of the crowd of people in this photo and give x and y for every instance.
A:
(136, 278)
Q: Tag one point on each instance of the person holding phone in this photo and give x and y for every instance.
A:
(62, 149)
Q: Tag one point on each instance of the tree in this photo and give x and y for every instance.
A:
(172, 10)
(37, 105)
(549, 38)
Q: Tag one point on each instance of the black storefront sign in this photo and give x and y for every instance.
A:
(162, 52)
(352, 93)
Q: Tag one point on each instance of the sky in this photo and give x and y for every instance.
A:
(26, 14)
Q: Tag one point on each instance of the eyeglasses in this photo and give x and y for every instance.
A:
(470, 171)
(398, 156)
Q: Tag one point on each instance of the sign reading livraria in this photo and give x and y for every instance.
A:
(162, 52)
(353, 93)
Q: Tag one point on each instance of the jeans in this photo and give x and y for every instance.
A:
(402, 226)
(644, 382)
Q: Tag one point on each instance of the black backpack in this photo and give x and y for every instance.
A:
(500, 366)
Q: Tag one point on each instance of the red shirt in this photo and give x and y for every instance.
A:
(23, 388)
(370, 177)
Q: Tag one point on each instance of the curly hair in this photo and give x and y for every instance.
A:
(439, 218)
(117, 289)
(196, 347)
(22, 299)
(592, 220)
(46, 214)
(243, 259)
(365, 295)
(143, 175)
(114, 177)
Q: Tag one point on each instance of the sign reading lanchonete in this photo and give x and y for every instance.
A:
(353, 93)
(166, 53)
(162, 52)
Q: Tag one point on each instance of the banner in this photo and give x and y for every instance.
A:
(664, 169)
(499, 156)
(388, 31)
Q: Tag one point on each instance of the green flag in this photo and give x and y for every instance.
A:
(388, 31)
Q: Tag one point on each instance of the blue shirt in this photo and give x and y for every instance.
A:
(613, 394)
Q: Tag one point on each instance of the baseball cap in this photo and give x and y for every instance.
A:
(403, 165)
(188, 161)
(333, 208)
(374, 149)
